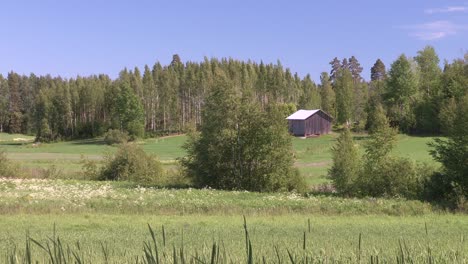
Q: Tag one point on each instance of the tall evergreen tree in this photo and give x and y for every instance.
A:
(346, 163)
(327, 95)
(336, 66)
(355, 69)
(378, 72)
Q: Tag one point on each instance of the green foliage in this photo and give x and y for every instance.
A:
(115, 136)
(393, 177)
(344, 96)
(453, 152)
(7, 167)
(327, 95)
(131, 163)
(378, 72)
(346, 163)
(129, 111)
(401, 89)
(240, 146)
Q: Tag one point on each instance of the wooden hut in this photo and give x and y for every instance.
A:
(305, 123)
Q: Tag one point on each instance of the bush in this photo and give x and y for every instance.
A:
(346, 164)
(115, 136)
(7, 167)
(394, 176)
(241, 146)
(131, 163)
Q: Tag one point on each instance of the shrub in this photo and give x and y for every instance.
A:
(115, 136)
(131, 163)
(346, 164)
(8, 168)
(241, 146)
(394, 176)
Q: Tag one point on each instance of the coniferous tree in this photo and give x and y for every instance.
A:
(355, 69)
(336, 66)
(346, 165)
(378, 72)
(327, 95)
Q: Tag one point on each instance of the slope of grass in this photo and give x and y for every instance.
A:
(313, 155)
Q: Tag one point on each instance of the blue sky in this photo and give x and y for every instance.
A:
(70, 38)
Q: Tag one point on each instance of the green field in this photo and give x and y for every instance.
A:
(110, 218)
(329, 239)
(313, 155)
(116, 215)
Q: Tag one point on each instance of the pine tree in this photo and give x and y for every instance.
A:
(355, 69)
(378, 72)
(336, 66)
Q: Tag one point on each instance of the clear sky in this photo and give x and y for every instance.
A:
(70, 38)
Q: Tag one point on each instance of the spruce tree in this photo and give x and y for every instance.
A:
(327, 95)
(346, 165)
(378, 72)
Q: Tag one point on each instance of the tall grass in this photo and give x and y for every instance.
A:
(155, 250)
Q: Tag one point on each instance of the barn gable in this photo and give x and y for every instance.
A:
(309, 122)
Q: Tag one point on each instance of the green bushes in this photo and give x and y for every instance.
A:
(131, 163)
(115, 136)
(241, 146)
(7, 168)
(379, 174)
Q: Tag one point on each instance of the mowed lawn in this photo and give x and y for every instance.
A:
(313, 155)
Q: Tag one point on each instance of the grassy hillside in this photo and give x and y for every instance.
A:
(313, 155)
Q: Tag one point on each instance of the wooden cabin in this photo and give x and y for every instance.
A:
(306, 123)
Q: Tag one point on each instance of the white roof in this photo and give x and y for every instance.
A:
(302, 114)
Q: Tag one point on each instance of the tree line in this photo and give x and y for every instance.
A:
(417, 95)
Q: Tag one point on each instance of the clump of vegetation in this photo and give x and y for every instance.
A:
(116, 136)
(346, 163)
(380, 174)
(453, 154)
(131, 163)
(240, 146)
(7, 167)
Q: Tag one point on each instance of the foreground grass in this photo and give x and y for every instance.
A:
(58, 196)
(328, 239)
(106, 222)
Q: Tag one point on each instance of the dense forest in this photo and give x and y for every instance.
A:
(417, 95)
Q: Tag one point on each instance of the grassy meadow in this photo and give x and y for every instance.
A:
(107, 222)
(276, 238)
(313, 155)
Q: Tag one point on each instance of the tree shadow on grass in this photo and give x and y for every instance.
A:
(92, 141)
